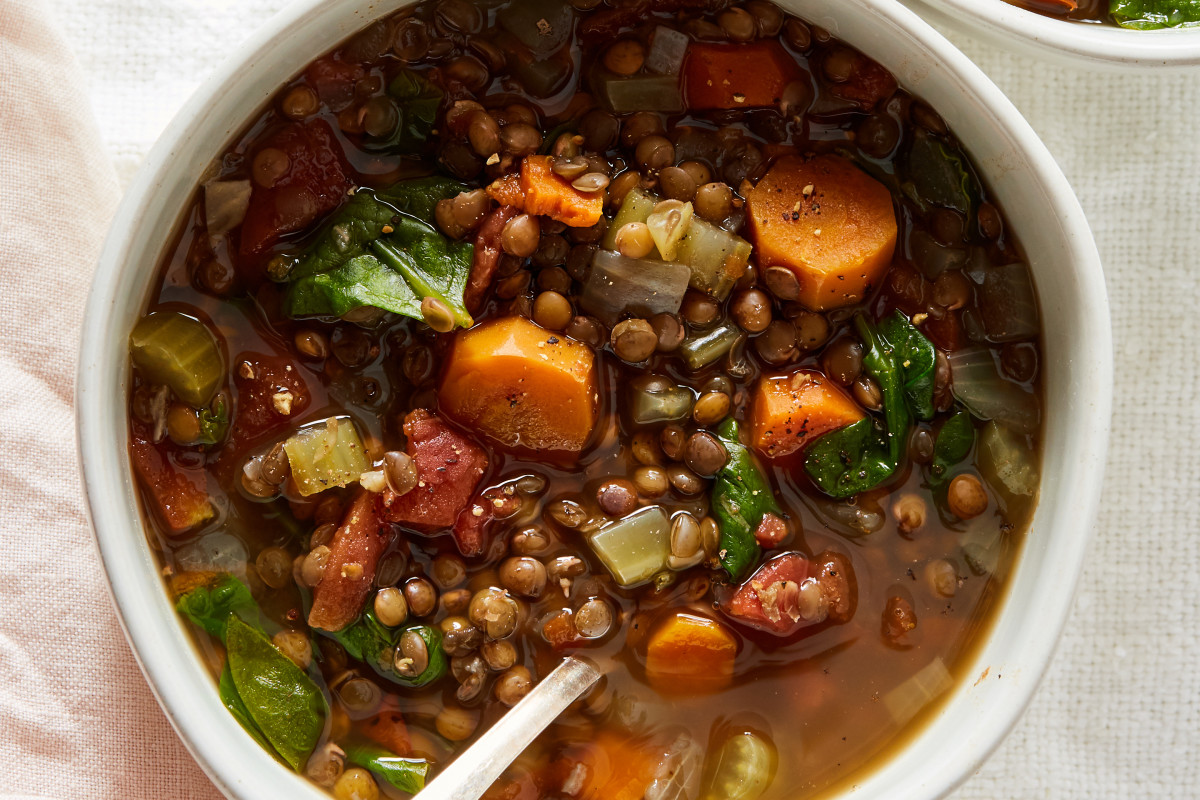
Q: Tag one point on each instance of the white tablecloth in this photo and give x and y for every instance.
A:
(1118, 716)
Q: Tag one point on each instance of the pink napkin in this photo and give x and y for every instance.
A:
(77, 719)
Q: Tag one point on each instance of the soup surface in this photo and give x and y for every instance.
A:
(676, 337)
(1134, 14)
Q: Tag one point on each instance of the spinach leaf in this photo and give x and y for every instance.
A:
(953, 444)
(362, 218)
(278, 696)
(1152, 14)
(915, 357)
(369, 641)
(210, 606)
(416, 102)
(741, 496)
(214, 421)
(233, 701)
(406, 774)
(938, 175)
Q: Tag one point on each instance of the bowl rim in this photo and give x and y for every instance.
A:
(1107, 46)
(213, 736)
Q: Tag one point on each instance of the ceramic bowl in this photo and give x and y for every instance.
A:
(1025, 180)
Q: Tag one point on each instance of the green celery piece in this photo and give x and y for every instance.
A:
(371, 642)
(233, 701)
(938, 174)
(636, 207)
(716, 257)
(915, 358)
(406, 774)
(703, 348)
(361, 220)
(325, 455)
(417, 103)
(741, 497)
(279, 697)
(635, 548)
(865, 454)
(180, 351)
(214, 422)
(953, 444)
(1145, 15)
(209, 606)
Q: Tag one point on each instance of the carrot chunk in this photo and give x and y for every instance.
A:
(788, 412)
(737, 75)
(354, 552)
(541, 191)
(521, 385)
(690, 654)
(827, 221)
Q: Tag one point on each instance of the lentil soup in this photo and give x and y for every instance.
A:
(674, 335)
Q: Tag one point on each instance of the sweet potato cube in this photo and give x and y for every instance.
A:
(788, 412)
(690, 654)
(828, 222)
(525, 387)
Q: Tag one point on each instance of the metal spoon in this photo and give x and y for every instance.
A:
(478, 767)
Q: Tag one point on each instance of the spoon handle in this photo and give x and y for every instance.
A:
(477, 767)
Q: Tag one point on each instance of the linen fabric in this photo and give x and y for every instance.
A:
(1119, 712)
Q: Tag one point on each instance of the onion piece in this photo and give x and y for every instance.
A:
(906, 700)
(639, 93)
(678, 771)
(617, 285)
(668, 223)
(977, 384)
(217, 552)
(1008, 464)
(1007, 304)
(667, 50)
(225, 204)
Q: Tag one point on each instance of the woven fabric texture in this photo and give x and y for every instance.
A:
(1119, 712)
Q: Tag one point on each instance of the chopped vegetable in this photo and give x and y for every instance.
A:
(271, 391)
(690, 654)
(543, 26)
(938, 175)
(953, 444)
(1007, 305)
(386, 728)
(180, 497)
(781, 597)
(209, 605)
(416, 104)
(827, 221)
(915, 358)
(741, 768)
(233, 702)
(179, 351)
(541, 191)
(678, 771)
(638, 92)
(369, 641)
(1145, 15)
(486, 257)
(667, 50)
(214, 422)
(703, 348)
(449, 467)
(741, 495)
(354, 552)
(1008, 465)
(738, 76)
(282, 700)
(326, 454)
(634, 549)
(929, 682)
(637, 206)
(225, 204)
(978, 385)
(668, 222)
(617, 285)
(405, 774)
(521, 385)
(654, 398)
(790, 411)
(716, 257)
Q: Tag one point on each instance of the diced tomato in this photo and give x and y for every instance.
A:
(771, 531)
(179, 497)
(470, 529)
(560, 631)
(449, 466)
(387, 729)
(487, 257)
(721, 76)
(353, 554)
(267, 387)
(869, 84)
(765, 585)
(609, 767)
(315, 183)
(334, 80)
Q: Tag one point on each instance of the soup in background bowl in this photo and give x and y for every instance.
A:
(466, 356)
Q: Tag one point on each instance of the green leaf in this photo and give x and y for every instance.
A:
(1147, 15)
(406, 774)
(915, 359)
(371, 642)
(210, 606)
(417, 102)
(233, 701)
(953, 444)
(214, 422)
(741, 496)
(938, 175)
(281, 698)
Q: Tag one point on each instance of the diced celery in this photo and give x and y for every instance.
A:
(1008, 465)
(326, 454)
(181, 352)
(742, 768)
(716, 257)
(667, 50)
(637, 206)
(639, 93)
(668, 224)
(656, 399)
(617, 285)
(634, 549)
(706, 347)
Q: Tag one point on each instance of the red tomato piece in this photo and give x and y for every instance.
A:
(771, 531)
(737, 75)
(267, 387)
(768, 599)
(471, 526)
(560, 631)
(487, 257)
(354, 552)
(314, 184)
(869, 84)
(334, 80)
(387, 729)
(179, 497)
(449, 466)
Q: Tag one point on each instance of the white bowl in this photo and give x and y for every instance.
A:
(1005, 25)
(1025, 180)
